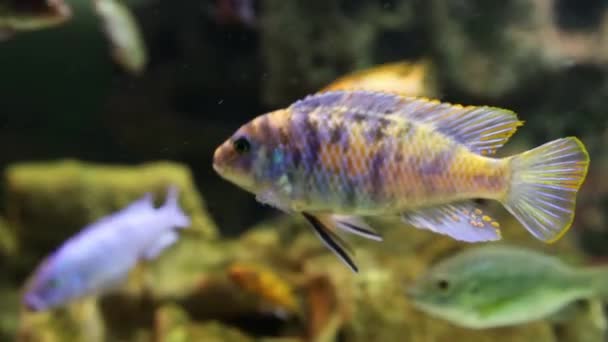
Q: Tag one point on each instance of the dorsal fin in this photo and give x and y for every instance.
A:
(144, 202)
(359, 101)
(482, 129)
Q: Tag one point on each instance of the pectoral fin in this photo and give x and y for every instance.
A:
(332, 241)
(270, 197)
(462, 221)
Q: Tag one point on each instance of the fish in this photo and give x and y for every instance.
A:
(503, 285)
(338, 157)
(122, 31)
(406, 78)
(265, 284)
(30, 15)
(100, 257)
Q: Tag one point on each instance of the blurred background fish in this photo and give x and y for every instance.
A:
(340, 155)
(123, 34)
(275, 291)
(494, 286)
(404, 77)
(100, 257)
(31, 15)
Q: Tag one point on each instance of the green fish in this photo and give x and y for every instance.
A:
(495, 286)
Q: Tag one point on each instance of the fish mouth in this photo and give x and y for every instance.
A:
(220, 157)
(217, 168)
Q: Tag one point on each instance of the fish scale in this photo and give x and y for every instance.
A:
(432, 170)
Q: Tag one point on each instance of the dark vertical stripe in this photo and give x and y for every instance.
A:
(375, 175)
(438, 164)
(296, 157)
(357, 117)
(313, 144)
(266, 131)
(335, 134)
(377, 129)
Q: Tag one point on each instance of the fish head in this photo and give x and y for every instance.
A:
(50, 286)
(449, 295)
(252, 158)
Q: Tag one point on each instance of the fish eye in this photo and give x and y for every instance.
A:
(241, 145)
(443, 284)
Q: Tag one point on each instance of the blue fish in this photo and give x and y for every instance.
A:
(100, 257)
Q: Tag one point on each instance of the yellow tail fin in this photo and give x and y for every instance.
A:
(544, 185)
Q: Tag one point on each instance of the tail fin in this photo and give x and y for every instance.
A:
(544, 184)
(171, 206)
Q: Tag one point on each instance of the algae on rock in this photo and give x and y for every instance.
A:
(187, 293)
(80, 322)
(172, 324)
(8, 243)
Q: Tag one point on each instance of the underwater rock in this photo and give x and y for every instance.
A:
(8, 244)
(188, 293)
(490, 49)
(80, 322)
(371, 305)
(172, 324)
(48, 202)
(486, 48)
(585, 321)
(9, 319)
(307, 44)
(373, 302)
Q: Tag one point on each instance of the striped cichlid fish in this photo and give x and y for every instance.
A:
(337, 156)
(100, 257)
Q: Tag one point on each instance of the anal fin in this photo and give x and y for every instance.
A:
(462, 221)
(332, 241)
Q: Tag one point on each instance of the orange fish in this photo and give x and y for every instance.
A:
(265, 284)
(412, 79)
